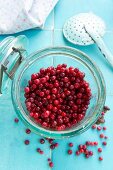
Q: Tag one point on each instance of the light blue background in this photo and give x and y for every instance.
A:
(14, 155)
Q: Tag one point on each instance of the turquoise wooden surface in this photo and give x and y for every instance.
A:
(14, 155)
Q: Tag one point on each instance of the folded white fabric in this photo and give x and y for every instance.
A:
(19, 15)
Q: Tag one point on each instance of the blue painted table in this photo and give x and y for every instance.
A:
(14, 155)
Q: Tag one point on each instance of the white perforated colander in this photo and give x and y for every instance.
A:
(86, 29)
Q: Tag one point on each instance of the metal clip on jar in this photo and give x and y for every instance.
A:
(12, 52)
(16, 67)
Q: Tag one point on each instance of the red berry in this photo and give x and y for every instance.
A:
(92, 143)
(56, 102)
(99, 128)
(36, 115)
(51, 164)
(49, 159)
(38, 149)
(70, 152)
(27, 90)
(80, 146)
(84, 147)
(88, 143)
(106, 108)
(87, 155)
(94, 127)
(86, 152)
(77, 153)
(95, 143)
(36, 81)
(101, 135)
(71, 144)
(100, 158)
(56, 144)
(42, 141)
(106, 137)
(41, 152)
(103, 113)
(54, 90)
(81, 150)
(46, 113)
(104, 128)
(16, 120)
(31, 114)
(28, 131)
(99, 149)
(26, 142)
(51, 141)
(52, 146)
(90, 153)
(104, 143)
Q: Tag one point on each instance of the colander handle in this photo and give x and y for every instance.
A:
(101, 45)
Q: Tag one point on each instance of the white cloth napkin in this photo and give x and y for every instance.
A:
(19, 15)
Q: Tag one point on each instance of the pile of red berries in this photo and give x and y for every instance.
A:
(57, 98)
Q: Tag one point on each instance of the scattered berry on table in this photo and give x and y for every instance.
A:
(70, 151)
(42, 141)
(71, 144)
(26, 142)
(104, 143)
(101, 135)
(99, 149)
(51, 164)
(28, 131)
(100, 159)
(16, 120)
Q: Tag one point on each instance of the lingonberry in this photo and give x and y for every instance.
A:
(70, 152)
(77, 153)
(100, 158)
(84, 147)
(106, 137)
(26, 142)
(51, 164)
(71, 144)
(56, 102)
(56, 145)
(94, 127)
(104, 143)
(101, 135)
(104, 128)
(49, 159)
(90, 153)
(106, 108)
(16, 120)
(46, 113)
(88, 143)
(41, 152)
(28, 131)
(80, 146)
(52, 146)
(87, 155)
(51, 141)
(99, 149)
(27, 90)
(99, 128)
(42, 141)
(95, 143)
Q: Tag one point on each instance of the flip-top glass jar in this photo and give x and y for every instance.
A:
(16, 65)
